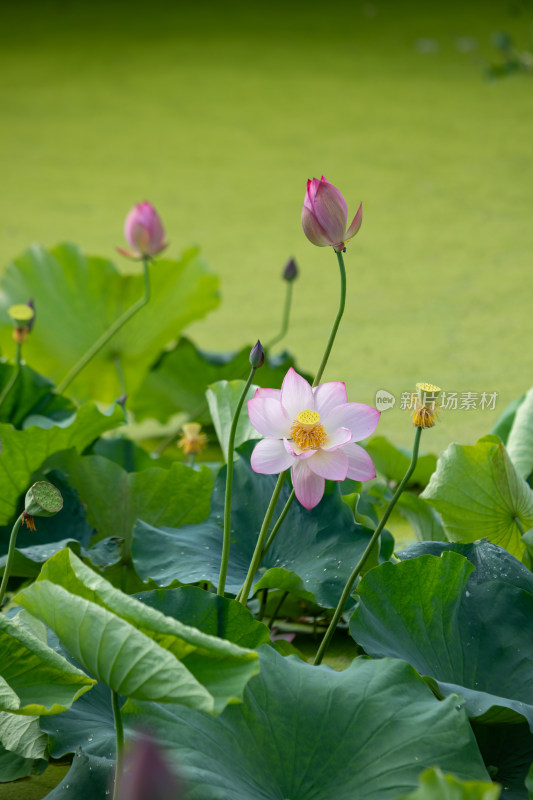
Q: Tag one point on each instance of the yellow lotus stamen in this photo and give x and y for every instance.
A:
(192, 440)
(307, 432)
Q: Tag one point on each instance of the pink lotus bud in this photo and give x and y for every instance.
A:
(147, 775)
(325, 215)
(144, 232)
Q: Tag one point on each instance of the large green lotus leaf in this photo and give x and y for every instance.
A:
(504, 423)
(210, 613)
(125, 453)
(222, 399)
(422, 518)
(116, 499)
(88, 725)
(78, 297)
(34, 679)
(312, 555)
(478, 493)
(134, 649)
(435, 785)
(30, 394)
(464, 632)
(507, 751)
(310, 732)
(21, 735)
(13, 767)
(89, 778)
(178, 381)
(490, 562)
(393, 462)
(520, 440)
(25, 451)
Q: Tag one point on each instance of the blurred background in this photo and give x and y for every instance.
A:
(217, 113)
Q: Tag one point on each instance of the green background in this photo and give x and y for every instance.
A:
(218, 113)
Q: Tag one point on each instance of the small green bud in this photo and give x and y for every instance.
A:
(43, 500)
(257, 355)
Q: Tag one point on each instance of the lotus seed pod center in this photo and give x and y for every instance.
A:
(308, 419)
(307, 432)
(43, 500)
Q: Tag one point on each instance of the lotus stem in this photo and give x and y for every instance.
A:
(370, 546)
(109, 333)
(229, 487)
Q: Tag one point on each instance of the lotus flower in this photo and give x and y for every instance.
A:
(144, 232)
(314, 432)
(325, 215)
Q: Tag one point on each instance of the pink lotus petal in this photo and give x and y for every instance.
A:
(270, 457)
(356, 223)
(331, 211)
(331, 465)
(314, 230)
(359, 418)
(296, 394)
(308, 487)
(128, 253)
(337, 439)
(267, 416)
(329, 395)
(361, 466)
(293, 450)
(261, 392)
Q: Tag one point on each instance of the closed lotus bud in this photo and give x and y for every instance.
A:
(290, 273)
(42, 500)
(257, 355)
(144, 232)
(325, 215)
(147, 775)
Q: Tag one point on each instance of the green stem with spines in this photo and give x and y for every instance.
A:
(109, 333)
(119, 738)
(278, 524)
(370, 546)
(284, 320)
(340, 312)
(16, 372)
(336, 323)
(278, 609)
(10, 556)
(318, 376)
(229, 486)
(242, 597)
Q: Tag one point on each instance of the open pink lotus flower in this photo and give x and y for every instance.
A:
(313, 431)
(325, 215)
